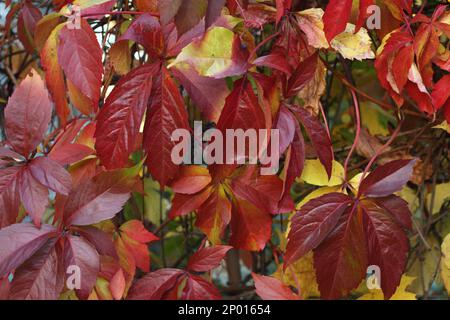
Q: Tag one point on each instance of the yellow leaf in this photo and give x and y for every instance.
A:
(424, 267)
(302, 275)
(314, 89)
(372, 119)
(444, 126)
(212, 55)
(445, 263)
(353, 45)
(317, 193)
(410, 196)
(311, 23)
(314, 173)
(441, 194)
(400, 293)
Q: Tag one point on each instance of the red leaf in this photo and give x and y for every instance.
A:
(274, 60)
(27, 114)
(337, 14)
(101, 240)
(319, 138)
(363, 14)
(251, 227)
(214, 215)
(154, 285)
(207, 258)
(441, 92)
(302, 75)
(213, 11)
(135, 230)
(80, 56)
(119, 120)
(208, 94)
(191, 179)
(78, 252)
(388, 246)
(99, 198)
(117, 285)
(242, 110)
(183, 204)
(280, 10)
(166, 113)
(41, 277)
(187, 13)
(313, 223)
(70, 153)
(397, 208)
(269, 288)
(286, 124)
(401, 65)
(387, 179)
(146, 30)
(9, 195)
(198, 288)
(262, 191)
(51, 175)
(341, 260)
(26, 25)
(294, 163)
(34, 195)
(19, 242)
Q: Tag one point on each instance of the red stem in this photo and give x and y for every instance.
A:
(358, 131)
(253, 53)
(380, 151)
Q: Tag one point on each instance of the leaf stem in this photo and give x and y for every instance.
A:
(253, 53)
(358, 131)
(381, 150)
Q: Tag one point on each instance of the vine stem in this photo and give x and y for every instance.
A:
(381, 150)
(358, 132)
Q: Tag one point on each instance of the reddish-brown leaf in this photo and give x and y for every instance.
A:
(154, 285)
(208, 94)
(269, 288)
(33, 194)
(99, 198)
(165, 114)
(27, 114)
(78, 252)
(198, 288)
(319, 137)
(146, 30)
(41, 277)
(207, 258)
(19, 242)
(191, 179)
(51, 175)
(302, 75)
(313, 223)
(387, 246)
(337, 14)
(387, 179)
(80, 56)
(9, 195)
(341, 260)
(251, 227)
(119, 120)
